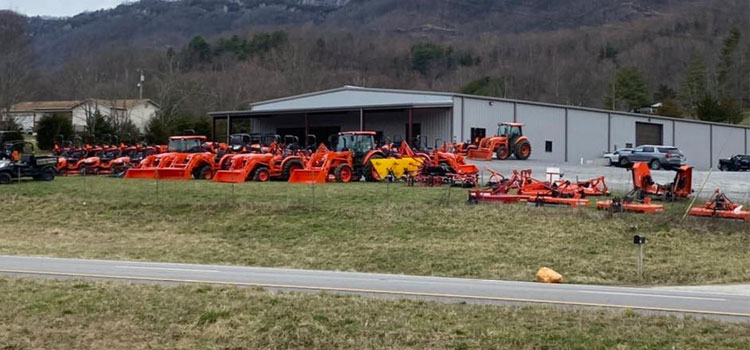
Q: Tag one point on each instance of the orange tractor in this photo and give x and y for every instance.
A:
(276, 164)
(509, 140)
(186, 158)
(350, 161)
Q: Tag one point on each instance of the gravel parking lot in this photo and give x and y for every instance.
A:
(735, 184)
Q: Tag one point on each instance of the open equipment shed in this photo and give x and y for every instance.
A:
(557, 132)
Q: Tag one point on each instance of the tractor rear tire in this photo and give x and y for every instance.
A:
(523, 150)
(5, 179)
(290, 167)
(203, 173)
(47, 174)
(502, 152)
(261, 174)
(369, 170)
(343, 173)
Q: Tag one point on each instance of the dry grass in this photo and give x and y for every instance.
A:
(89, 315)
(361, 227)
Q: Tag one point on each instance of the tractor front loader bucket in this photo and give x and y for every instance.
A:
(230, 176)
(141, 173)
(309, 176)
(173, 174)
(480, 154)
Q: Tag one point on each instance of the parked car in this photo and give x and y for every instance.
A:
(657, 157)
(739, 162)
(614, 157)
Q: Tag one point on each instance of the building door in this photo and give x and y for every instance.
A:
(416, 130)
(649, 134)
(478, 134)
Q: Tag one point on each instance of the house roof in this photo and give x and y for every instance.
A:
(125, 104)
(70, 105)
(45, 106)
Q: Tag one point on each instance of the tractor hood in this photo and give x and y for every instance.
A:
(4, 164)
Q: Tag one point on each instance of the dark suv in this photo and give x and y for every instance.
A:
(738, 162)
(657, 157)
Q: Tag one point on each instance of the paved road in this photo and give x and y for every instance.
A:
(724, 306)
(735, 184)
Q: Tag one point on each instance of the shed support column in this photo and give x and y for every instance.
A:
(409, 137)
(566, 135)
(609, 132)
(361, 119)
(710, 146)
(307, 129)
(213, 129)
(229, 127)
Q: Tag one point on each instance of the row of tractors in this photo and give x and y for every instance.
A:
(270, 157)
(354, 156)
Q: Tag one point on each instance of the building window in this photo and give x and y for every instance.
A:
(628, 145)
(548, 146)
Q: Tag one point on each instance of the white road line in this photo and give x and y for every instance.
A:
(651, 295)
(164, 268)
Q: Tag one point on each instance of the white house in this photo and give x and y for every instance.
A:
(28, 114)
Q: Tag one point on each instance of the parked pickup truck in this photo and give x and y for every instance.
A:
(739, 162)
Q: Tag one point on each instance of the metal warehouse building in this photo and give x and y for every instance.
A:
(557, 132)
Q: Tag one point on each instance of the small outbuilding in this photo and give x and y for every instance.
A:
(557, 132)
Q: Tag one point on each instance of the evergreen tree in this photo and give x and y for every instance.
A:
(628, 90)
(485, 86)
(726, 60)
(694, 85)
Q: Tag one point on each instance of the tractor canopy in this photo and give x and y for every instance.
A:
(358, 142)
(186, 144)
(510, 130)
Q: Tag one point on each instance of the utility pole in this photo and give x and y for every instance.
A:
(140, 84)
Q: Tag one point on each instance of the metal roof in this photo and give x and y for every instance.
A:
(355, 97)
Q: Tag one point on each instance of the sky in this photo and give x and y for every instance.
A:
(56, 8)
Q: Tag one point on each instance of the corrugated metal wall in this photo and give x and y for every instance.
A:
(726, 142)
(542, 124)
(485, 114)
(436, 125)
(590, 133)
(587, 134)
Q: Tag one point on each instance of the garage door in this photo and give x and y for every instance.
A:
(649, 134)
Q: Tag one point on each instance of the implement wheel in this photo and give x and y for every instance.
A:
(343, 173)
(261, 174)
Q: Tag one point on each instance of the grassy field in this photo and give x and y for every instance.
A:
(361, 227)
(89, 315)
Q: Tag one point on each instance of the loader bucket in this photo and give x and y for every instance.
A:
(480, 154)
(230, 176)
(309, 176)
(144, 173)
(173, 174)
